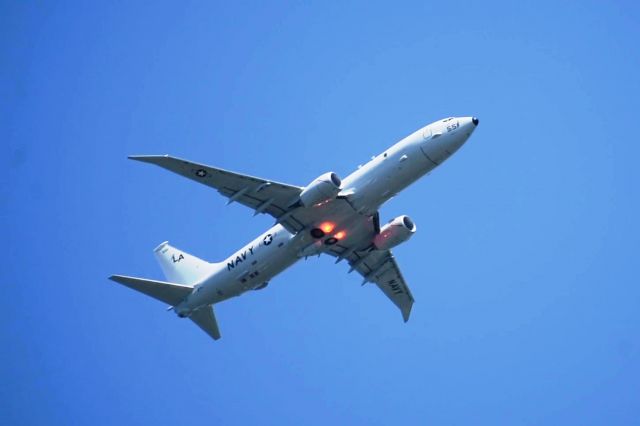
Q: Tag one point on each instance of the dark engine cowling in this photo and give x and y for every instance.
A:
(395, 232)
(322, 189)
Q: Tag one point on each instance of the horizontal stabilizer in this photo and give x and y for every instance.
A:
(206, 320)
(163, 291)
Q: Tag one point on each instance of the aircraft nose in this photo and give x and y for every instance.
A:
(475, 121)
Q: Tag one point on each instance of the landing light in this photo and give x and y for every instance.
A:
(340, 235)
(327, 227)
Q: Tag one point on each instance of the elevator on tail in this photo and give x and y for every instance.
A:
(333, 216)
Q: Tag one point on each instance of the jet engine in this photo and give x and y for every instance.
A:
(395, 232)
(324, 188)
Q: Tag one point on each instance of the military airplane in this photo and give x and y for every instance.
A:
(332, 216)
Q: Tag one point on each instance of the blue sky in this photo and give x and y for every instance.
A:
(524, 268)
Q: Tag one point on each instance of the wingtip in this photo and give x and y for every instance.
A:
(147, 158)
(406, 314)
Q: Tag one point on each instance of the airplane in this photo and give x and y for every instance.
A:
(332, 216)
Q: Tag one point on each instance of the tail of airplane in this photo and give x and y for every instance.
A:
(206, 320)
(184, 271)
(180, 267)
(170, 293)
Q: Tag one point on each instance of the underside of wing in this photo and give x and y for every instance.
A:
(376, 266)
(261, 195)
(381, 268)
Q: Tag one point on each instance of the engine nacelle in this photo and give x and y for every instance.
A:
(395, 232)
(324, 188)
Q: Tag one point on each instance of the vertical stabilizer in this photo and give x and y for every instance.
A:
(180, 267)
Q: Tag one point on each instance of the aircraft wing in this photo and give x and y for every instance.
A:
(262, 195)
(377, 266)
(380, 267)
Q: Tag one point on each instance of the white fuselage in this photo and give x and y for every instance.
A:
(366, 190)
